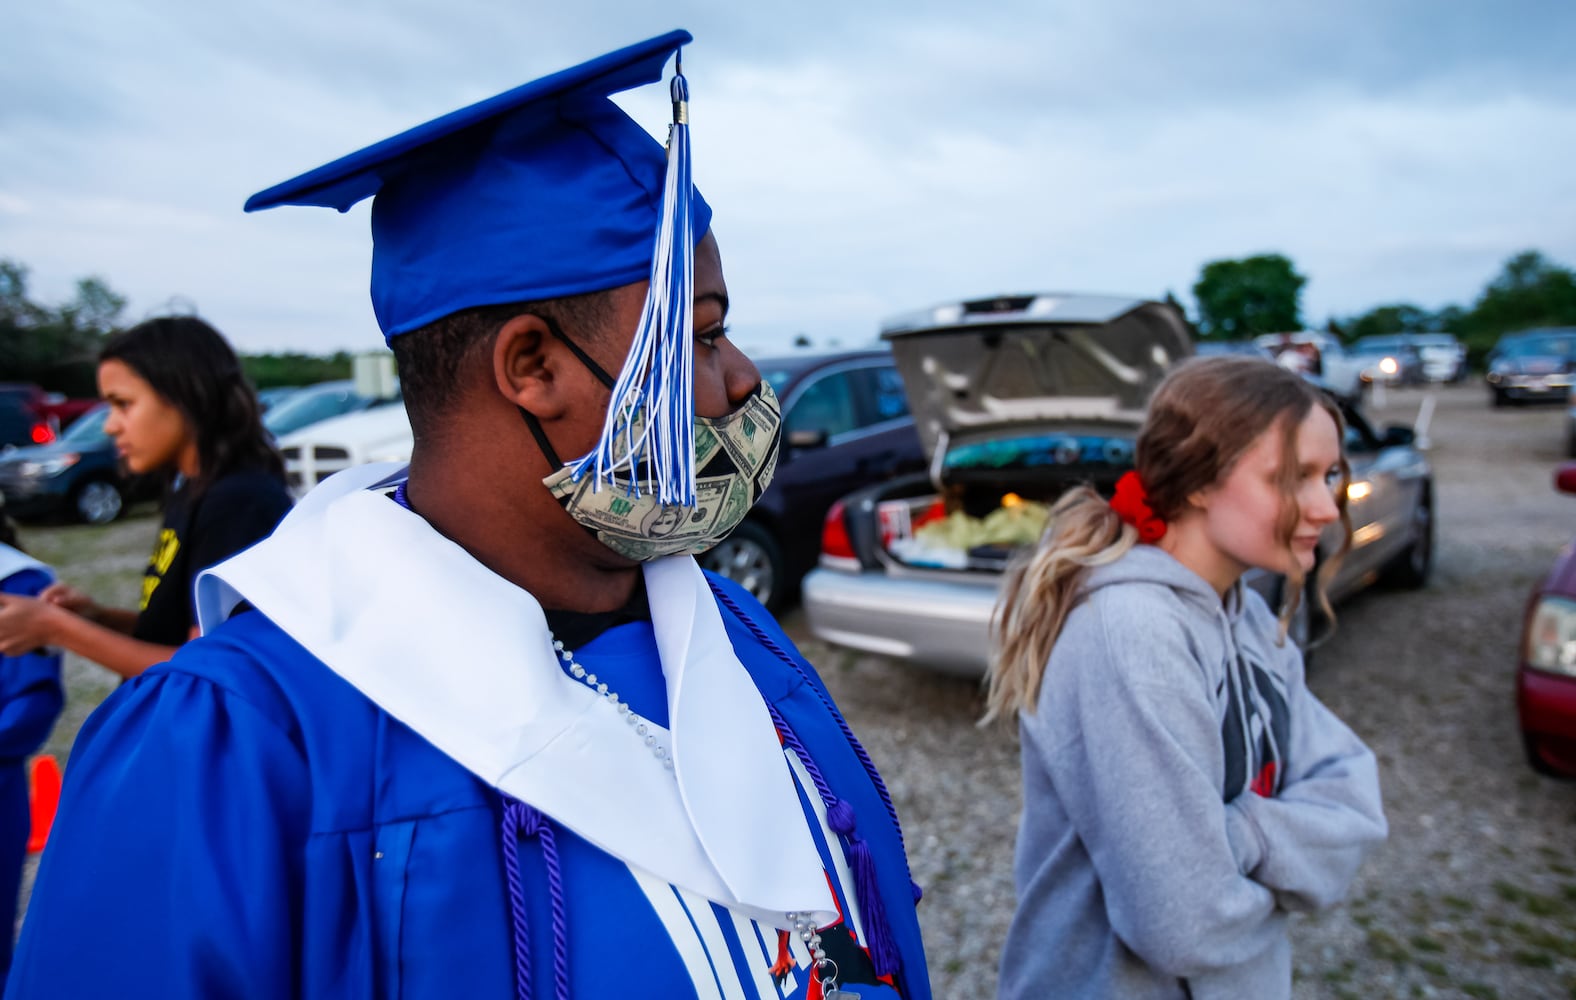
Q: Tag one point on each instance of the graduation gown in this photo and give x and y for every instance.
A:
(246, 821)
(30, 702)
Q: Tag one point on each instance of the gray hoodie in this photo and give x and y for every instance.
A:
(1183, 789)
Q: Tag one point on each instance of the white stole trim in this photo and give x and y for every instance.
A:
(14, 561)
(465, 658)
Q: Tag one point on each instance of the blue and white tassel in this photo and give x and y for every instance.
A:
(651, 417)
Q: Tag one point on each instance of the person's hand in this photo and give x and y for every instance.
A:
(73, 600)
(25, 624)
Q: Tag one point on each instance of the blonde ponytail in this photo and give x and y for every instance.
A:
(1038, 592)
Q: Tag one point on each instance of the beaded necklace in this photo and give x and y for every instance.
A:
(646, 731)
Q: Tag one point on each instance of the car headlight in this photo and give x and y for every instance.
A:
(1550, 643)
(50, 466)
(1389, 366)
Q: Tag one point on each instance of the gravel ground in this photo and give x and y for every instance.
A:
(1475, 893)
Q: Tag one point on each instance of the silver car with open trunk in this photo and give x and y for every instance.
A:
(1016, 399)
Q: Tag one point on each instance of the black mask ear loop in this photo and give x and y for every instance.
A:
(531, 422)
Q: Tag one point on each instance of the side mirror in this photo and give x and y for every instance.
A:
(1397, 435)
(804, 440)
(1565, 478)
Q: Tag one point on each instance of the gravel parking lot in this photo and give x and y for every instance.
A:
(1475, 893)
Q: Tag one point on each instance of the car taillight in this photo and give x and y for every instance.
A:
(835, 542)
(42, 433)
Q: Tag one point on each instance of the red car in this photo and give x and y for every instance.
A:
(1546, 677)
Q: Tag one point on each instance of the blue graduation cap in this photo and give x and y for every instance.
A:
(544, 191)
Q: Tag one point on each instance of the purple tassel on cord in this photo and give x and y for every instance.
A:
(519, 820)
(883, 950)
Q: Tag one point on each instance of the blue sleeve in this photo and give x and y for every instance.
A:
(30, 694)
(176, 852)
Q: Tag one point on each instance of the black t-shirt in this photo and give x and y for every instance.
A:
(231, 514)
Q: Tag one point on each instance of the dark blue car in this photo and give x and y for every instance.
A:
(845, 425)
(78, 475)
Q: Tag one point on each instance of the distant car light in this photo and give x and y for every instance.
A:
(1358, 491)
(1389, 366)
(1551, 636)
(42, 433)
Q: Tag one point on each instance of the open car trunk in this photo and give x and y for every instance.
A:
(1016, 400)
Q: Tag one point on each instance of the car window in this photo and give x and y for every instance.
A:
(87, 431)
(1526, 347)
(825, 404)
(883, 396)
(308, 407)
(1359, 436)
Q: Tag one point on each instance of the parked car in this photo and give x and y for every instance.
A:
(1444, 357)
(20, 426)
(845, 424)
(1206, 348)
(272, 396)
(1391, 360)
(1532, 365)
(307, 405)
(1546, 673)
(79, 475)
(1320, 357)
(1013, 406)
(52, 408)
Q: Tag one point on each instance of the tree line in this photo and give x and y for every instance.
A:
(56, 346)
(1244, 297)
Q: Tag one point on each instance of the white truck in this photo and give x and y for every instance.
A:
(316, 452)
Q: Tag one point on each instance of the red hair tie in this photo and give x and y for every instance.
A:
(1131, 503)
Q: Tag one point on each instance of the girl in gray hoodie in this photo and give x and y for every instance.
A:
(1183, 789)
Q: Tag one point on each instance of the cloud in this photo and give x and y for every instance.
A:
(864, 159)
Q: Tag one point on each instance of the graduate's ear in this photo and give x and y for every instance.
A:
(523, 362)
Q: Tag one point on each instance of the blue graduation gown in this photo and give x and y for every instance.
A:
(30, 702)
(242, 822)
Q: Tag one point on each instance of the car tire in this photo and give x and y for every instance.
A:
(1536, 762)
(97, 501)
(1411, 568)
(750, 557)
(1499, 397)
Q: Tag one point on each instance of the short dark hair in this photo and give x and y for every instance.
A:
(193, 367)
(432, 360)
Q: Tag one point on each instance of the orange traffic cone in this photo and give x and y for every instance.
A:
(43, 798)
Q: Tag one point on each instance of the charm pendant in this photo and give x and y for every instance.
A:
(837, 994)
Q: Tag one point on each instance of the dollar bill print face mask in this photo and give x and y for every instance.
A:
(735, 457)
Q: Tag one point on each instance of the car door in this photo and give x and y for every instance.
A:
(1385, 486)
(860, 409)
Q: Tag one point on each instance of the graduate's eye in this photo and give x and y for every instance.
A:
(710, 337)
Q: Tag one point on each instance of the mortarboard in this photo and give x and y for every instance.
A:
(544, 191)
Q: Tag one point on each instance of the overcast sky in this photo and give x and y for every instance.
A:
(863, 159)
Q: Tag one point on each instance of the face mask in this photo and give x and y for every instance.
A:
(735, 457)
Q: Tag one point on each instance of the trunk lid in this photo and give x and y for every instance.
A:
(1017, 365)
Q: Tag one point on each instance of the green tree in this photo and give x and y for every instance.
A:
(1241, 298)
(1529, 291)
(1390, 320)
(267, 370)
